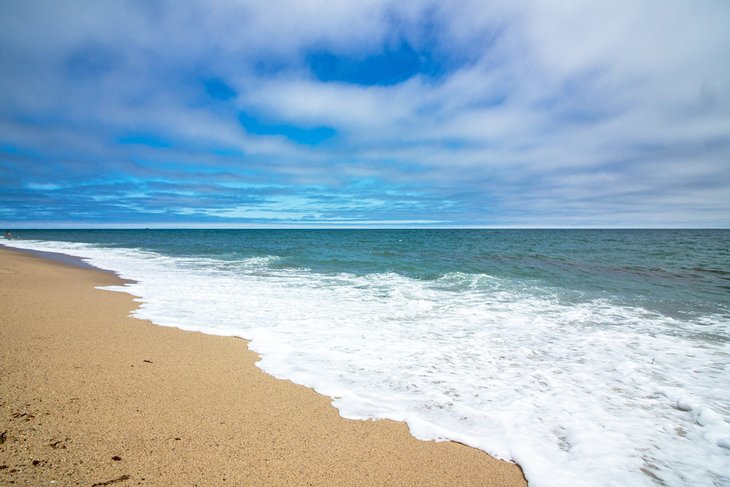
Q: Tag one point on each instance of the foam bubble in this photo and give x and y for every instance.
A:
(592, 393)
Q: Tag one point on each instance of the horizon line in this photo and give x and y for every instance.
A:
(349, 227)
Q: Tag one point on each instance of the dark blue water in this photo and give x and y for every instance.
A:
(676, 272)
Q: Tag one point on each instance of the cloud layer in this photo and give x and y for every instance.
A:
(365, 113)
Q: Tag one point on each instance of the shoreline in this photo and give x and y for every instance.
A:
(59, 257)
(84, 384)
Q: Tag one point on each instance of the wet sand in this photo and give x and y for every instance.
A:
(89, 396)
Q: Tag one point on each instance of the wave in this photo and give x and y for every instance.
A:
(586, 393)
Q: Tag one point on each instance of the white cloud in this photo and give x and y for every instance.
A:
(581, 104)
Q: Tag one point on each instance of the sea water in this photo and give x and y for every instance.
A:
(589, 357)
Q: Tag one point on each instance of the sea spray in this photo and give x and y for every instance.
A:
(580, 385)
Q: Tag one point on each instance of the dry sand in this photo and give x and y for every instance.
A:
(89, 396)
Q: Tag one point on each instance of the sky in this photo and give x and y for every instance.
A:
(365, 113)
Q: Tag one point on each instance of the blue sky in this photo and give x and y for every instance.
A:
(368, 113)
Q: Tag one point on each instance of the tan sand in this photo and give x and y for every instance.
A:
(89, 397)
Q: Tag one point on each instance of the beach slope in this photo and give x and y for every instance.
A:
(89, 396)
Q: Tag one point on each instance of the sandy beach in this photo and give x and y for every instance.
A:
(89, 396)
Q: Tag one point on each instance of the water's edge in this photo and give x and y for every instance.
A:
(57, 257)
(584, 358)
(81, 263)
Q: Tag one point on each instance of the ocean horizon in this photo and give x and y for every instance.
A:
(588, 356)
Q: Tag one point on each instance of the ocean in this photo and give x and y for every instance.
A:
(589, 357)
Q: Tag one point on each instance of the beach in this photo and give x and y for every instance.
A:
(91, 396)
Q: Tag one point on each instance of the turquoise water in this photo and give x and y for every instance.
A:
(679, 272)
(590, 357)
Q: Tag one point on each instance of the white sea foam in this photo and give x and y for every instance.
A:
(588, 394)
